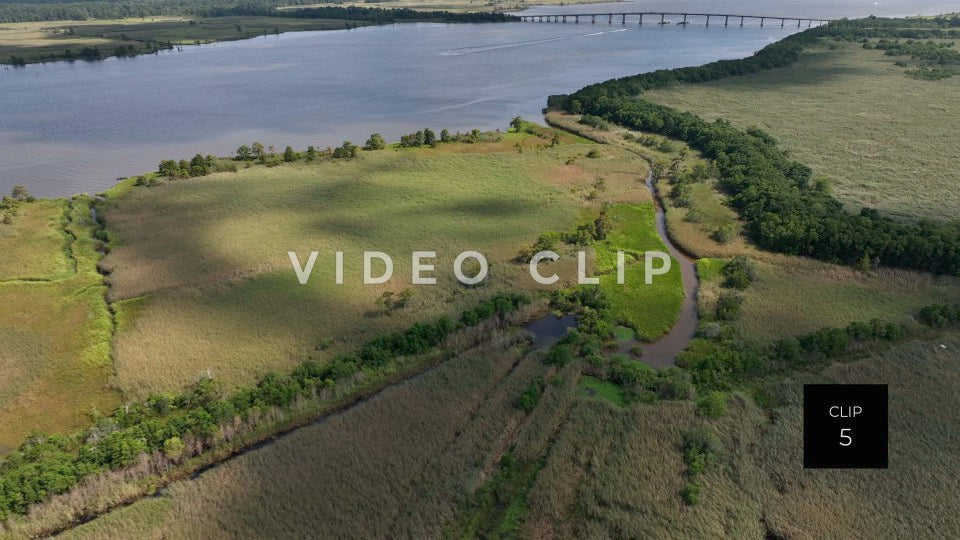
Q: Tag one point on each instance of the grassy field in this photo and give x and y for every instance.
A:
(37, 41)
(851, 114)
(202, 282)
(54, 325)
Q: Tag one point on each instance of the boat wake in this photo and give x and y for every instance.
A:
(485, 48)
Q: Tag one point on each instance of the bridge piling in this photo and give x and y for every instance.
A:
(560, 17)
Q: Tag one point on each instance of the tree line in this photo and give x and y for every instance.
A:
(784, 210)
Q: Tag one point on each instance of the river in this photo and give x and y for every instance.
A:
(73, 127)
(76, 127)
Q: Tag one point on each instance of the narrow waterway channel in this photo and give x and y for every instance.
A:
(662, 352)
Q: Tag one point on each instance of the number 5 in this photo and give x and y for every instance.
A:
(843, 435)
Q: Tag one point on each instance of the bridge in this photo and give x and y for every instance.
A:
(575, 17)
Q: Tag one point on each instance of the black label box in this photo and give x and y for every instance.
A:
(845, 426)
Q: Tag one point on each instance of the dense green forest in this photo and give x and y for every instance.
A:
(784, 208)
(117, 9)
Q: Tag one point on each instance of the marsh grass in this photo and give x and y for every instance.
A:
(35, 245)
(54, 325)
(400, 464)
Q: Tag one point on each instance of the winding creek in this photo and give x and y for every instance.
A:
(662, 352)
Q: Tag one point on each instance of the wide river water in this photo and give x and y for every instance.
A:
(76, 127)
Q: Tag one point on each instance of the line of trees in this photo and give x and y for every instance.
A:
(199, 165)
(784, 210)
(175, 427)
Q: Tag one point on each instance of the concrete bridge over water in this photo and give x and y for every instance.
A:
(652, 17)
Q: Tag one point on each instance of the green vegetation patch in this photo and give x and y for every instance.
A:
(602, 390)
(651, 309)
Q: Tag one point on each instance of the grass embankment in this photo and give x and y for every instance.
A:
(853, 115)
(49, 40)
(792, 295)
(55, 326)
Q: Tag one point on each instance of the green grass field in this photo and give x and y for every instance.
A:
(602, 390)
(202, 282)
(54, 324)
(650, 310)
(851, 114)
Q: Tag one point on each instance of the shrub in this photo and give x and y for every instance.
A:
(729, 305)
(530, 397)
(739, 272)
(940, 315)
(788, 350)
(174, 448)
(560, 354)
(595, 122)
(691, 493)
(724, 234)
(673, 383)
(829, 342)
(346, 150)
(593, 154)
(712, 405)
(375, 142)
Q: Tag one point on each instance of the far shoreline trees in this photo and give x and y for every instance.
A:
(256, 152)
